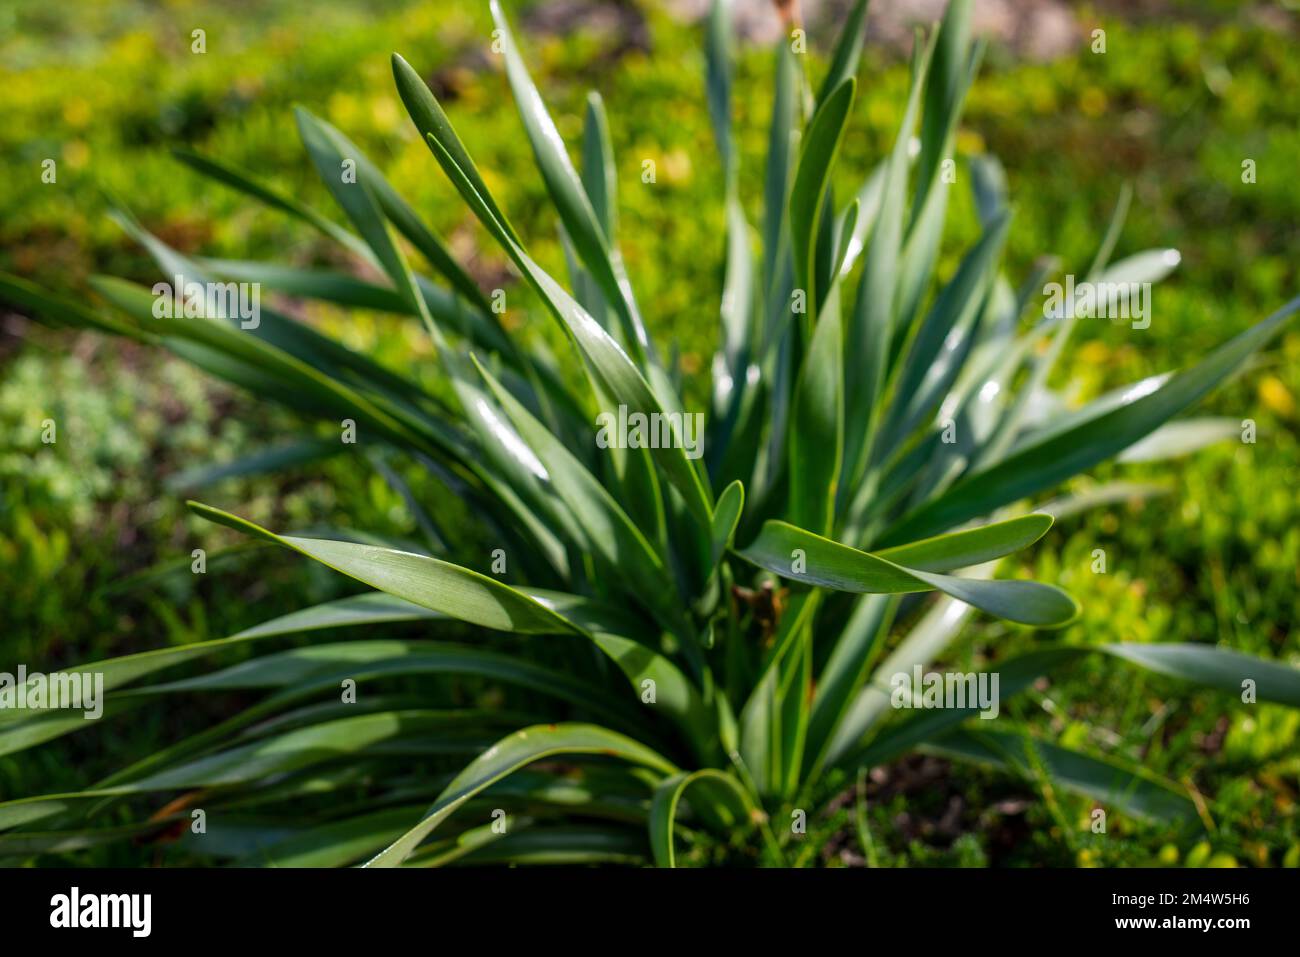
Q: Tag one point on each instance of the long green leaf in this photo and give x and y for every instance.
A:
(1060, 456)
(816, 441)
(509, 755)
(816, 159)
(611, 532)
(567, 192)
(974, 546)
(829, 564)
(1129, 788)
(437, 585)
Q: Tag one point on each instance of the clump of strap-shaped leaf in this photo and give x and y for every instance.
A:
(700, 642)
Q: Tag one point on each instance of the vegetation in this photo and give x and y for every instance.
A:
(592, 537)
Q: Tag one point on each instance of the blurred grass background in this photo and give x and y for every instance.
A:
(1183, 94)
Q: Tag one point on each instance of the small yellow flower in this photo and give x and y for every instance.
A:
(1276, 397)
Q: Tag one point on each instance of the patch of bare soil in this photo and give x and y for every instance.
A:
(936, 813)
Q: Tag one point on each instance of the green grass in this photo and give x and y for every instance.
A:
(1217, 558)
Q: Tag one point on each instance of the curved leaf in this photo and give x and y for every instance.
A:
(567, 192)
(615, 373)
(726, 516)
(731, 799)
(437, 585)
(1045, 463)
(945, 553)
(509, 755)
(829, 564)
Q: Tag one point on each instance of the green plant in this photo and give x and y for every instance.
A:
(854, 445)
